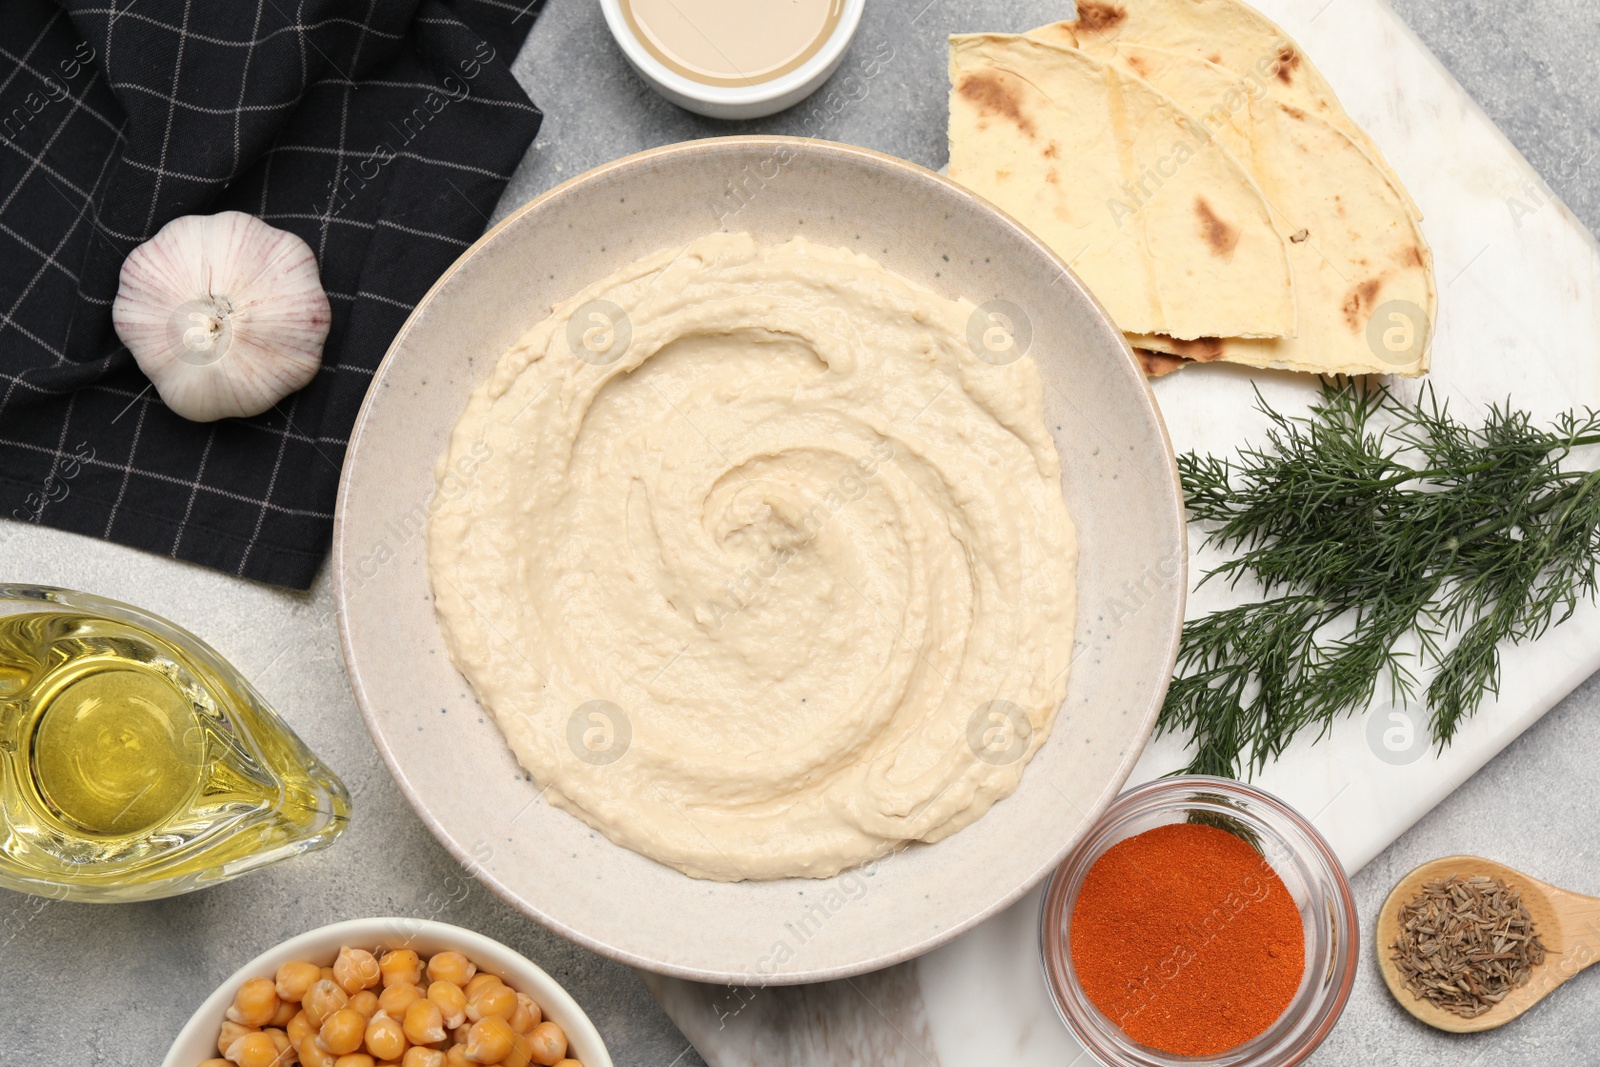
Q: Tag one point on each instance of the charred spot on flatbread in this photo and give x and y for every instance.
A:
(1359, 304)
(1159, 364)
(1201, 349)
(1219, 235)
(1288, 60)
(989, 93)
(1098, 17)
(1414, 258)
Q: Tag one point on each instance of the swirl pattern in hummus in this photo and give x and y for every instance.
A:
(745, 575)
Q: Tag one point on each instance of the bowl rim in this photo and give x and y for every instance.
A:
(816, 68)
(1053, 902)
(478, 948)
(342, 568)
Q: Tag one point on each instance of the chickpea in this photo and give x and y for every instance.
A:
(527, 1015)
(568, 1063)
(354, 1059)
(490, 1040)
(417, 1056)
(423, 1023)
(299, 1028)
(254, 1050)
(479, 980)
(314, 1055)
(386, 1038)
(342, 1031)
(518, 1056)
(492, 1000)
(214, 1062)
(400, 967)
(255, 1003)
(231, 1032)
(280, 1040)
(322, 1000)
(457, 1057)
(366, 1002)
(451, 967)
(547, 1044)
(294, 978)
(451, 1000)
(356, 969)
(286, 1011)
(398, 997)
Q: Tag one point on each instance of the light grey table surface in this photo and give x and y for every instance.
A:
(86, 985)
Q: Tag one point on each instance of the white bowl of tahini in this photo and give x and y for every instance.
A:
(734, 59)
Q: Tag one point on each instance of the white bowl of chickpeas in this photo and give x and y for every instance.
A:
(389, 993)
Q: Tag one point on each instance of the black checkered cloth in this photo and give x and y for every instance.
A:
(382, 132)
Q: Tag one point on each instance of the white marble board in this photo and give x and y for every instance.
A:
(1519, 319)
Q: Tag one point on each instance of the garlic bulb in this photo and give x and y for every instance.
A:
(224, 314)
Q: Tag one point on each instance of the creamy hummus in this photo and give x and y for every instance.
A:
(763, 571)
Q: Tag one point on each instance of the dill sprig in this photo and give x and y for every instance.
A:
(1367, 523)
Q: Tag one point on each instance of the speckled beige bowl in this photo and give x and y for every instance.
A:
(1120, 482)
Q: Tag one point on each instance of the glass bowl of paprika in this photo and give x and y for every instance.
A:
(1201, 921)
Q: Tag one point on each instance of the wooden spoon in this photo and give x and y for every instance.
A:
(1568, 925)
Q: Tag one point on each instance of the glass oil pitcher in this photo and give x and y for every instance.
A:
(135, 762)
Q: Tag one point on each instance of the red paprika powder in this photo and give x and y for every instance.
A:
(1187, 939)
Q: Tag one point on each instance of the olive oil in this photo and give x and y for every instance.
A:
(136, 763)
(115, 749)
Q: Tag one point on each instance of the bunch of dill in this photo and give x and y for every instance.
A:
(1363, 524)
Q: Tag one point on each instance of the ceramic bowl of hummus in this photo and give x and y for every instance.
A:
(759, 560)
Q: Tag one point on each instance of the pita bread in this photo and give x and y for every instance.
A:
(1354, 247)
(1229, 33)
(1166, 228)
